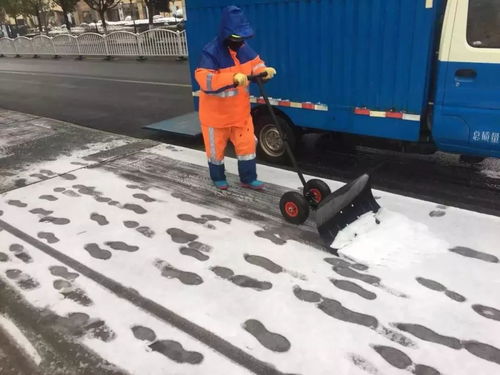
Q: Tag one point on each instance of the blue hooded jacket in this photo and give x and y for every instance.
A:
(215, 55)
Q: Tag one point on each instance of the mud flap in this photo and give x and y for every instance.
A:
(343, 207)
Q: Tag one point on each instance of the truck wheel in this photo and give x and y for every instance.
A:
(294, 207)
(317, 190)
(270, 145)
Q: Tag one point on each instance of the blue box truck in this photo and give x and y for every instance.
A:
(417, 71)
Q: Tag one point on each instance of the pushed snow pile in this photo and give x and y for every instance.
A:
(388, 239)
(491, 168)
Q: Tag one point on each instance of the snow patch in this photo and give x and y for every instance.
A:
(396, 242)
(64, 163)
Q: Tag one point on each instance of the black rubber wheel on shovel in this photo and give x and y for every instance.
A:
(317, 190)
(294, 207)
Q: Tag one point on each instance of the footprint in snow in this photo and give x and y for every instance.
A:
(474, 254)
(16, 203)
(271, 236)
(71, 193)
(169, 348)
(241, 280)
(193, 253)
(363, 364)
(200, 246)
(437, 213)
(48, 236)
(102, 199)
(61, 271)
(80, 324)
(402, 361)
(130, 224)
(120, 245)
(96, 252)
(136, 187)
(271, 266)
(20, 253)
(170, 272)
(69, 176)
(71, 292)
(270, 340)
(54, 220)
(39, 175)
(23, 280)
(144, 197)
(354, 288)
(99, 219)
(41, 211)
(487, 312)
(438, 287)
(146, 231)
(179, 236)
(48, 197)
(135, 207)
(340, 262)
(336, 310)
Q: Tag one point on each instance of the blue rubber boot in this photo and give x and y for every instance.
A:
(248, 174)
(254, 185)
(221, 185)
(218, 176)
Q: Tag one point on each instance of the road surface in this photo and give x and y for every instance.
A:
(119, 96)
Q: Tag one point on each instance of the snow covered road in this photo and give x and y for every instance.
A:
(143, 262)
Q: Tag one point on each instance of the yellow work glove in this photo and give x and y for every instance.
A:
(240, 79)
(271, 72)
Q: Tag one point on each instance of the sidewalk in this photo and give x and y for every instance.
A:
(128, 249)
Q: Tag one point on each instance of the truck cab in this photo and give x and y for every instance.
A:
(466, 116)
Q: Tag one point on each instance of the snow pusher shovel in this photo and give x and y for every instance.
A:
(334, 211)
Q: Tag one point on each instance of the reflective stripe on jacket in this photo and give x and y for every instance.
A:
(221, 103)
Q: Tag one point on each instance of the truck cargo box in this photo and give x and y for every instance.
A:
(358, 66)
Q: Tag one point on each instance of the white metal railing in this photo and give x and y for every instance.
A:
(157, 42)
(66, 45)
(7, 46)
(123, 43)
(43, 45)
(92, 44)
(23, 46)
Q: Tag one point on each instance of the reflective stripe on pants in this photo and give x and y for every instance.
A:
(242, 137)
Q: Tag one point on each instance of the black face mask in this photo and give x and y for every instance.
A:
(234, 45)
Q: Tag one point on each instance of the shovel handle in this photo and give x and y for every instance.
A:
(258, 79)
(255, 77)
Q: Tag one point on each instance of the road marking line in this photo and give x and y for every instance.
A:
(94, 78)
(199, 333)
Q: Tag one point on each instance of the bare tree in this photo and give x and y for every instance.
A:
(101, 7)
(67, 6)
(13, 8)
(38, 9)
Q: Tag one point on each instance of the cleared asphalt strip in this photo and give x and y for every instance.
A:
(95, 78)
(199, 333)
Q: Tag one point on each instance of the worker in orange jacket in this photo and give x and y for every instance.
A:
(222, 74)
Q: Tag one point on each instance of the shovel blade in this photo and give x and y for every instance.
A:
(343, 207)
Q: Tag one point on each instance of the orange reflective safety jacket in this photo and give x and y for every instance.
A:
(222, 104)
